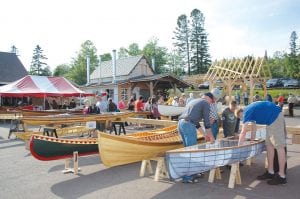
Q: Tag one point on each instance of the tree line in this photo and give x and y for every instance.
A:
(189, 56)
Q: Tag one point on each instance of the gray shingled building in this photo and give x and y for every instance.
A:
(11, 68)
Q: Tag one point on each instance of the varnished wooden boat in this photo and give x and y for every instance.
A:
(48, 148)
(120, 150)
(50, 112)
(167, 110)
(69, 118)
(74, 130)
(204, 157)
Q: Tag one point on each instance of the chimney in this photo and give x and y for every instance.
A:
(14, 49)
(99, 69)
(87, 70)
(114, 63)
(153, 63)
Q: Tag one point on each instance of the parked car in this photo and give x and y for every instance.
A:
(274, 83)
(204, 85)
(292, 83)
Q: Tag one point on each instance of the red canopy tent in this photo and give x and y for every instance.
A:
(42, 86)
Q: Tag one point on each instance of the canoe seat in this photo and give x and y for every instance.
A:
(121, 127)
(50, 131)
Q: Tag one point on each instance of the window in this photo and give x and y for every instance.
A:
(124, 93)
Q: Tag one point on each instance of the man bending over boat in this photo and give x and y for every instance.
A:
(188, 124)
(267, 113)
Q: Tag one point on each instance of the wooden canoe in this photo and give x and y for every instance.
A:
(167, 110)
(49, 148)
(74, 130)
(120, 150)
(69, 118)
(49, 112)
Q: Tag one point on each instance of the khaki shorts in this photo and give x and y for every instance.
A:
(276, 133)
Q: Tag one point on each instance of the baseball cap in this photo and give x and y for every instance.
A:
(216, 93)
(210, 95)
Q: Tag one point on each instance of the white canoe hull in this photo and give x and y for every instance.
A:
(167, 110)
(204, 157)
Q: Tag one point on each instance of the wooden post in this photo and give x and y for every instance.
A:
(75, 162)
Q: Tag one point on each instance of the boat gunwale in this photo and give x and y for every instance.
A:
(213, 149)
(137, 141)
(64, 140)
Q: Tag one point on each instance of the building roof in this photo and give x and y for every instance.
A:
(163, 79)
(123, 67)
(11, 68)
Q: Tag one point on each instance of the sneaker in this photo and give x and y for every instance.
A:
(277, 180)
(265, 176)
(191, 181)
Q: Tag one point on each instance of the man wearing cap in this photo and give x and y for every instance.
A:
(188, 124)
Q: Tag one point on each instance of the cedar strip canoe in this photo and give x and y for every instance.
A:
(120, 150)
(68, 118)
(47, 148)
(74, 130)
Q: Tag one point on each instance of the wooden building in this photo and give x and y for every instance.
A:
(131, 76)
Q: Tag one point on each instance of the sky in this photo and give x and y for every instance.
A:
(235, 28)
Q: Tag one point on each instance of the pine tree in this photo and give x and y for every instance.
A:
(182, 39)
(38, 66)
(200, 58)
(293, 68)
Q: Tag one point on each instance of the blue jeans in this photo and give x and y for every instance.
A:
(188, 134)
(215, 129)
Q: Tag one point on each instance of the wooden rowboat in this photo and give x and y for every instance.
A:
(120, 150)
(49, 148)
(167, 110)
(204, 157)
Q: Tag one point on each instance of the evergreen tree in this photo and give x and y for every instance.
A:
(78, 69)
(293, 44)
(38, 66)
(200, 57)
(182, 39)
(293, 69)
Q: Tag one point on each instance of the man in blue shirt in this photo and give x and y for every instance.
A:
(267, 113)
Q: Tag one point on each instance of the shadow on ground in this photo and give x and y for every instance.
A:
(86, 184)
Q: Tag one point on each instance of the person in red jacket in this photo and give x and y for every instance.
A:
(139, 104)
(280, 100)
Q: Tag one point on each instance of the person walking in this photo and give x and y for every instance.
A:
(291, 101)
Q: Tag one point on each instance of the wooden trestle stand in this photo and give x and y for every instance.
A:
(75, 168)
(160, 171)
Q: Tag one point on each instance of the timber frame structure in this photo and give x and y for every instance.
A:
(246, 72)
